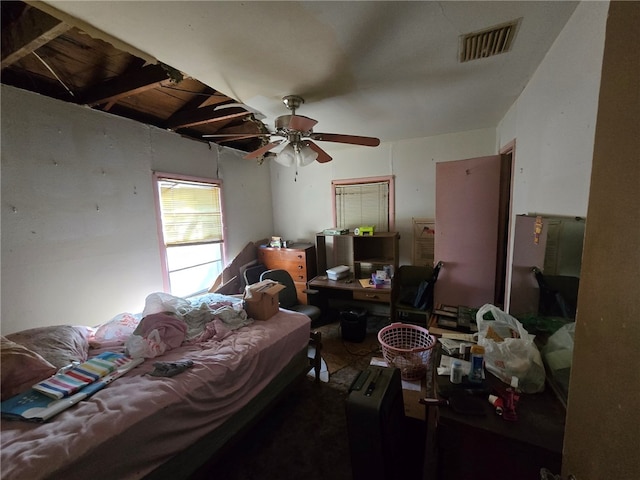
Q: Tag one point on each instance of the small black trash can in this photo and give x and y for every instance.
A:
(353, 323)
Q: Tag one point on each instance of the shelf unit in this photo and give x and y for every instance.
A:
(363, 254)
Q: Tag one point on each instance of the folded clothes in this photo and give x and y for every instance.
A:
(169, 369)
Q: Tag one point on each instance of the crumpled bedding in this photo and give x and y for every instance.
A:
(140, 421)
(171, 329)
(168, 321)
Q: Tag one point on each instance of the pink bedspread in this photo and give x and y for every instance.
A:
(140, 421)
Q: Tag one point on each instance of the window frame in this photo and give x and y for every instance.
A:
(389, 179)
(159, 176)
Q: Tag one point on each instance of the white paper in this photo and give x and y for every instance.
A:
(445, 365)
(378, 362)
(415, 385)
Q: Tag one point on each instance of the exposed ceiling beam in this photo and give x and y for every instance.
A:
(33, 30)
(208, 96)
(239, 132)
(203, 115)
(215, 99)
(111, 91)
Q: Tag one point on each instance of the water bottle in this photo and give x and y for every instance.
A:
(456, 372)
(477, 364)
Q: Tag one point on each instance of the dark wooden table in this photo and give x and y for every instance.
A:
(474, 447)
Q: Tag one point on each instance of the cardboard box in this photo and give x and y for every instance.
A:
(262, 299)
(412, 406)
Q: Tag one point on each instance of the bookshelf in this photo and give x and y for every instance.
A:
(363, 254)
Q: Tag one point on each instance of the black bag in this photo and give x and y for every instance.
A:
(424, 296)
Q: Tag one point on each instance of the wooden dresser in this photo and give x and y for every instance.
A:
(298, 259)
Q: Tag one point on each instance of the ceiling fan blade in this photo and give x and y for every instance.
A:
(262, 150)
(323, 157)
(351, 139)
(301, 123)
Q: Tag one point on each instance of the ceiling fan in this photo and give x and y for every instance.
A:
(293, 142)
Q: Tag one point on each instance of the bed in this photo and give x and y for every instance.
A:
(144, 426)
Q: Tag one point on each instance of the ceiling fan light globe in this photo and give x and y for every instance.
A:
(305, 156)
(286, 157)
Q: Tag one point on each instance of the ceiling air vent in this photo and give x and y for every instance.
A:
(488, 42)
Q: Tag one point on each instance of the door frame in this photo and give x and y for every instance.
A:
(506, 227)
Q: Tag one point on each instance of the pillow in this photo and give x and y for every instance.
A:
(116, 330)
(21, 368)
(60, 345)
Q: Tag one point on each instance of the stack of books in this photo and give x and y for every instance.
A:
(458, 318)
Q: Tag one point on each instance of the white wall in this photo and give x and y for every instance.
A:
(553, 122)
(302, 203)
(79, 236)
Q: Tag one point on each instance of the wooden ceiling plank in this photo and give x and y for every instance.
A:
(33, 30)
(217, 99)
(148, 77)
(203, 115)
(200, 99)
(234, 138)
(247, 129)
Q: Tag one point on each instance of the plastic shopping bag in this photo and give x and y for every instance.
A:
(510, 350)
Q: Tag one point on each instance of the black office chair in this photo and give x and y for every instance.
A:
(414, 293)
(252, 274)
(289, 296)
(558, 294)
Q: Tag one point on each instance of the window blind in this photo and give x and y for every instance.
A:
(363, 204)
(191, 212)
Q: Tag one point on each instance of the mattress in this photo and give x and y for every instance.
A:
(139, 422)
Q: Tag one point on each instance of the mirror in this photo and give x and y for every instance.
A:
(547, 258)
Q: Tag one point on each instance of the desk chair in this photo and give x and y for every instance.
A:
(289, 296)
(252, 274)
(558, 294)
(414, 293)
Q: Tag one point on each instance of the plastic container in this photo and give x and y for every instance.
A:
(456, 372)
(477, 364)
(408, 348)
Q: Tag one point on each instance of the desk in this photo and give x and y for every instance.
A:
(347, 290)
(488, 447)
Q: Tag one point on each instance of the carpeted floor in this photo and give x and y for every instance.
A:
(305, 435)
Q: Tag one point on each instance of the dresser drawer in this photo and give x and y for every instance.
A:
(373, 295)
(300, 263)
(278, 255)
(297, 269)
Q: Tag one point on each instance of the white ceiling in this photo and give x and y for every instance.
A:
(383, 69)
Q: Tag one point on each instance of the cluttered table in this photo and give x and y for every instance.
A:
(350, 288)
(469, 437)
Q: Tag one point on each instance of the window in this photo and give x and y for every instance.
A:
(366, 201)
(360, 202)
(190, 214)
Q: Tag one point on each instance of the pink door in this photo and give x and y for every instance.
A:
(467, 221)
